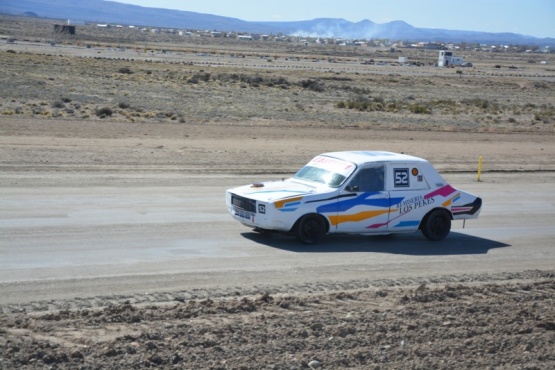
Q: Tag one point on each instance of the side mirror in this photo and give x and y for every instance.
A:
(352, 188)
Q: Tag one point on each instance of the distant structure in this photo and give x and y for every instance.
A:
(446, 59)
(62, 32)
(64, 29)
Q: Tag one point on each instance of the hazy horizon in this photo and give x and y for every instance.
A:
(530, 18)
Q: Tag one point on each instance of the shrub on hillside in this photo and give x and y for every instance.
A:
(125, 70)
(103, 112)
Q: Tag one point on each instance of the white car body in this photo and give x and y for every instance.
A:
(362, 192)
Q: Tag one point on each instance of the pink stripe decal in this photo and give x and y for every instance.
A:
(377, 226)
(443, 191)
(461, 209)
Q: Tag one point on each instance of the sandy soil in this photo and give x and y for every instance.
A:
(52, 124)
(267, 147)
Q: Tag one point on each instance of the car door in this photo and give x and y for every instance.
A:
(408, 199)
(364, 204)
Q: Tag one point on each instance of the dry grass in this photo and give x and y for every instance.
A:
(200, 82)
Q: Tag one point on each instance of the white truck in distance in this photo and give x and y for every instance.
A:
(359, 192)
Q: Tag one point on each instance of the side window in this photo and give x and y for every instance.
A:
(368, 180)
(409, 177)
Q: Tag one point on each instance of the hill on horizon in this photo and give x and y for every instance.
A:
(119, 13)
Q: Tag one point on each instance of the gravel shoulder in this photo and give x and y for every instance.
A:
(474, 321)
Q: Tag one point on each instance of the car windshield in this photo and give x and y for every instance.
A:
(326, 170)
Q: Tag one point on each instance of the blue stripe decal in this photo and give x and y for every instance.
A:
(407, 223)
(292, 204)
(362, 199)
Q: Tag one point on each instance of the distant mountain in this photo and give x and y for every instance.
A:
(118, 13)
(332, 27)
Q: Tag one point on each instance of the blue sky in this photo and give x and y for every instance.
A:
(527, 17)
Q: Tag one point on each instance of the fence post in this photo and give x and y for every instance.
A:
(479, 167)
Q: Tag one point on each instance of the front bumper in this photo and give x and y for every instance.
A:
(255, 214)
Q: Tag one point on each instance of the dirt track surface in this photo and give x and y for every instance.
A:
(414, 319)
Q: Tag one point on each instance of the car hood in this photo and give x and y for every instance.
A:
(271, 191)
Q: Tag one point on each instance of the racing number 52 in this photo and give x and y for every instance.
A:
(401, 177)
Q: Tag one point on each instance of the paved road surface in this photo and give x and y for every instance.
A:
(81, 241)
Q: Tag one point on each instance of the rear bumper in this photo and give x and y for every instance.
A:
(467, 211)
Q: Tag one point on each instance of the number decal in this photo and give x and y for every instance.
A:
(261, 208)
(401, 177)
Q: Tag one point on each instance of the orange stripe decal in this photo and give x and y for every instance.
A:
(281, 203)
(449, 201)
(336, 220)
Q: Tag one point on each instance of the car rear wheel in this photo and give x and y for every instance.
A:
(437, 225)
(310, 229)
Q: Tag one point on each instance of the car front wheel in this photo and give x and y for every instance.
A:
(437, 225)
(310, 229)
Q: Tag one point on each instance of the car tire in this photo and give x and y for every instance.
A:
(309, 229)
(436, 225)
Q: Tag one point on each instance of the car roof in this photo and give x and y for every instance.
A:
(363, 157)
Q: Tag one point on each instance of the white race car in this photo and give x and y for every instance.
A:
(358, 192)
